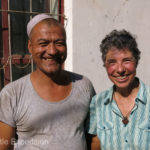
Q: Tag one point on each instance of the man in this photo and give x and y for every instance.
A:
(48, 107)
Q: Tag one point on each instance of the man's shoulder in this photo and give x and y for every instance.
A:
(81, 82)
(75, 75)
(15, 85)
(78, 77)
(20, 81)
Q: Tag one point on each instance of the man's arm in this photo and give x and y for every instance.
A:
(6, 134)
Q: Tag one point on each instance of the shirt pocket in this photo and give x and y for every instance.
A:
(145, 126)
(142, 136)
(105, 126)
(105, 133)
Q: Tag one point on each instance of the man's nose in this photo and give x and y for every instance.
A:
(51, 49)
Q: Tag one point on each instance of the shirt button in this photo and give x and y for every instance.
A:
(126, 141)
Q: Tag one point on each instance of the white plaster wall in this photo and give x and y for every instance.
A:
(90, 20)
(68, 22)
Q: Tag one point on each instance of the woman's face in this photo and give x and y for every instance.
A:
(121, 67)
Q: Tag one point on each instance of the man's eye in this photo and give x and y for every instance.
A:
(43, 44)
(60, 43)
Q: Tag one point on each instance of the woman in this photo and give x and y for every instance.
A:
(119, 116)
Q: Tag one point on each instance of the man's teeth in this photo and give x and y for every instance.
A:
(47, 59)
(123, 77)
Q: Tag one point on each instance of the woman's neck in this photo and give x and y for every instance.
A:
(131, 89)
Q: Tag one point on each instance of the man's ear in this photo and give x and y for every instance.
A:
(30, 46)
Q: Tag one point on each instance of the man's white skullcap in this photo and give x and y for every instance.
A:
(36, 19)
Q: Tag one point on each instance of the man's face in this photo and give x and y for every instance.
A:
(48, 47)
(121, 67)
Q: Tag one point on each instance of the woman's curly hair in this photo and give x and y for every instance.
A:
(121, 40)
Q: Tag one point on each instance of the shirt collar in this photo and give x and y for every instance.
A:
(140, 96)
(109, 96)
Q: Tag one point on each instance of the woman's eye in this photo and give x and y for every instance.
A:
(128, 60)
(111, 62)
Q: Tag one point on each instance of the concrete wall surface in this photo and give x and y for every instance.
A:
(88, 21)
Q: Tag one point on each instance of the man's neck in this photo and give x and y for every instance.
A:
(52, 89)
(61, 78)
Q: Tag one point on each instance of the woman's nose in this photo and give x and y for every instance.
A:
(120, 68)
